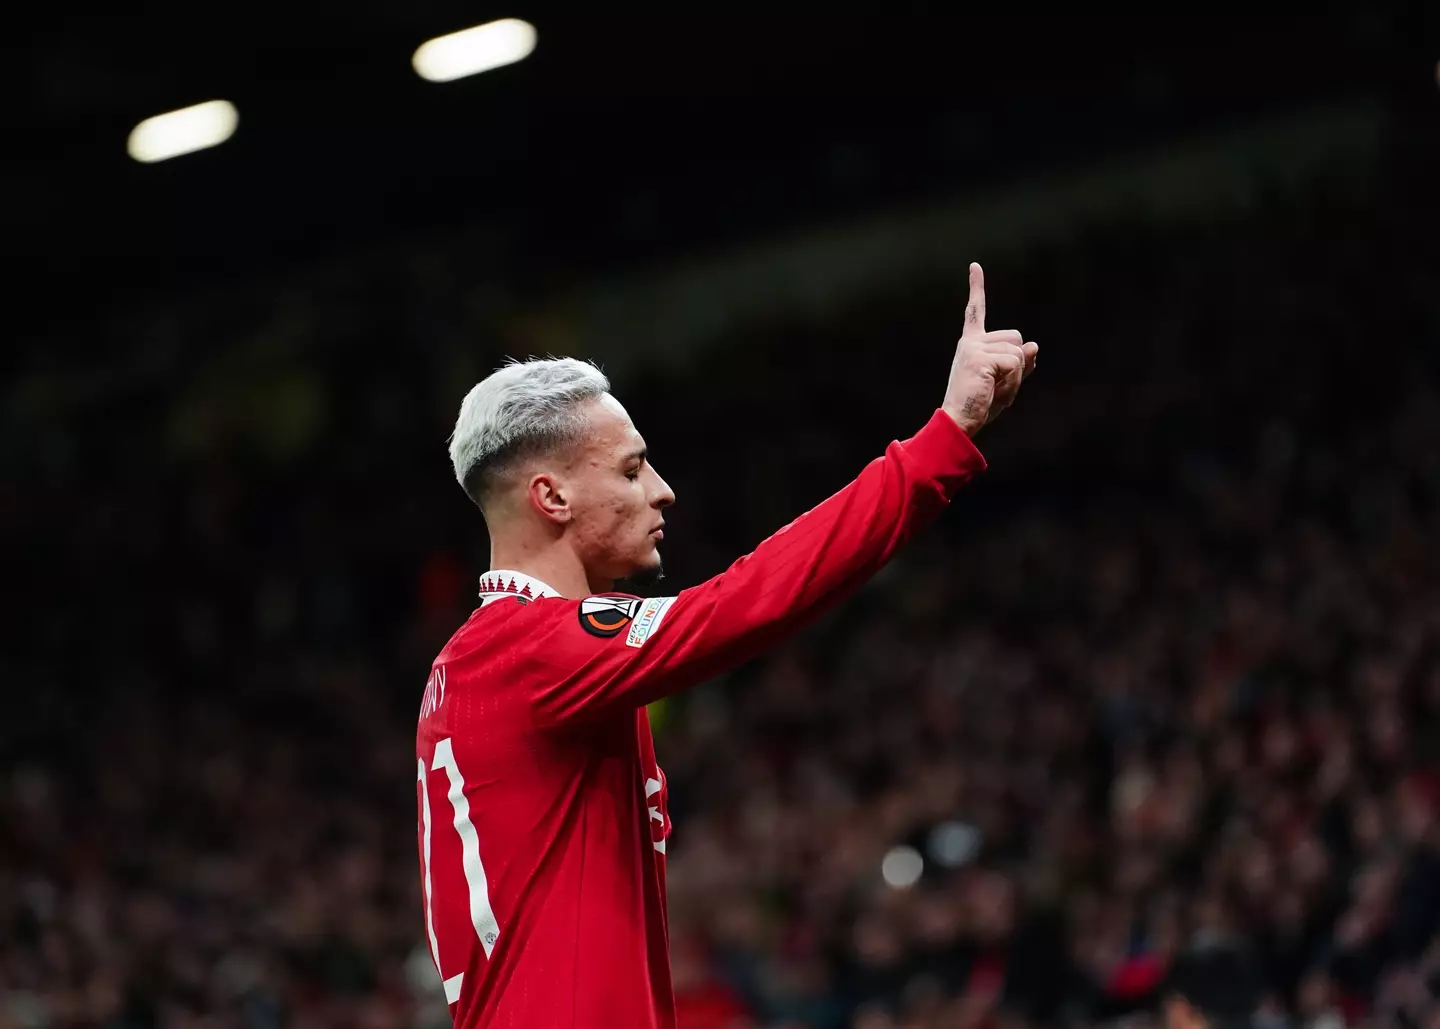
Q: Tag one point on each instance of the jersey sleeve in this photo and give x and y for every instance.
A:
(605, 652)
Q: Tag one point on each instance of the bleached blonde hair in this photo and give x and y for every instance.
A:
(520, 410)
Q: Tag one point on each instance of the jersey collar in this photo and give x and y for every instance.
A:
(502, 582)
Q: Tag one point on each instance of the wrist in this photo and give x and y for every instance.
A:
(969, 424)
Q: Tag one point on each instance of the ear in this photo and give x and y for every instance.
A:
(547, 496)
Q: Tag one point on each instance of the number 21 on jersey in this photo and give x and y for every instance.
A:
(482, 916)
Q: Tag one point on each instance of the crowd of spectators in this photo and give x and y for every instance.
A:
(1161, 693)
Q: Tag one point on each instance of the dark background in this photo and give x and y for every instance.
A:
(627, 136)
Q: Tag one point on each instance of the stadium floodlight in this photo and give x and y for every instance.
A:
(471, 51)
(183, 132)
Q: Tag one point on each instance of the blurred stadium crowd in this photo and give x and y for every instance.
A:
(1164, 687)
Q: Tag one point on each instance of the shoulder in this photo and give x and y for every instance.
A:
(607, 614)
(551, 626)
(495, 619)
(601, 615)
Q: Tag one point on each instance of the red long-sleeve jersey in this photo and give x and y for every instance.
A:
(543, 816)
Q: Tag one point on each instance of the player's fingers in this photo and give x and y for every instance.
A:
(1009, 373)
(1031, 352)
(1009, 368)
(975, 308)
(1005, 336)
(994, 350)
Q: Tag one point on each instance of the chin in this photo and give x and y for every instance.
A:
(647, 573)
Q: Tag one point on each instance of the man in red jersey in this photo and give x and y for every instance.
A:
(542, 811)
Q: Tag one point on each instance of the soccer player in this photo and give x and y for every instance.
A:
(543, 817)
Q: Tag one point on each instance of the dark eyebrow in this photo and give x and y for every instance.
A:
(637, 455)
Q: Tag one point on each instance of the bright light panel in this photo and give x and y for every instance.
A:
(183, 132)
(472, 51)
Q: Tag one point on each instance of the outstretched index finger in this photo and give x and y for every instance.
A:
(975, 309)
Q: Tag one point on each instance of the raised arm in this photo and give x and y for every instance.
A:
(601, 653)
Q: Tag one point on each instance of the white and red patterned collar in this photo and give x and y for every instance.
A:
(501, 582)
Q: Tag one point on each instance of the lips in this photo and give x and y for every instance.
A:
(659, 531)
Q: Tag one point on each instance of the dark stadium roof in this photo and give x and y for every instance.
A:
(630, 133)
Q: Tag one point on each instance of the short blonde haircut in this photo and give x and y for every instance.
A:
(523, 409)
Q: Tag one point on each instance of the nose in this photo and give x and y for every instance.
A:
(664, 495)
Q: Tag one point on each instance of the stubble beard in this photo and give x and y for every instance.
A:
(645, 579)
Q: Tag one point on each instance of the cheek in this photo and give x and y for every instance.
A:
(611, 516)
(628, 508)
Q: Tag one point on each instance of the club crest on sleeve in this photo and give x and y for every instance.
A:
(607, 616)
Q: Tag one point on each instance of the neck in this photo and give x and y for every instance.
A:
(556, 566)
